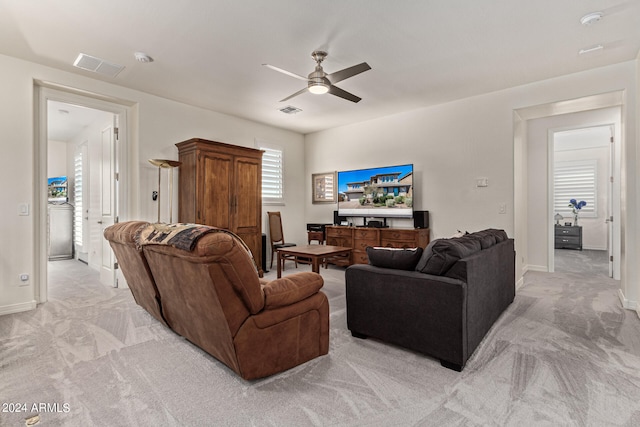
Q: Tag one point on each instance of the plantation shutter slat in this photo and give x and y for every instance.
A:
(272, 174)
(575, 180)
(78, 198)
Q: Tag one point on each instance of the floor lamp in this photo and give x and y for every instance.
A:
(165, 164)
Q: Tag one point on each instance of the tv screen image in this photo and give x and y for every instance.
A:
(385, 192)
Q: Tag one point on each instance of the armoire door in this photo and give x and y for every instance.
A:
(247, 206)
(215, 190)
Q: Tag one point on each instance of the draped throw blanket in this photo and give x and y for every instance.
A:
(179, 235)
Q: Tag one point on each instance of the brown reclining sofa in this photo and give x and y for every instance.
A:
(212, 296)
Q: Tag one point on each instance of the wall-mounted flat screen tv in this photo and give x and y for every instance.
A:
(384, 192)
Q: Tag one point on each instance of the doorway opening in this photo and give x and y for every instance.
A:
(77, 139)
(533, 217)
(581, 170)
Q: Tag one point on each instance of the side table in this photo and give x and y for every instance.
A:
(568, 237)
(315, 235)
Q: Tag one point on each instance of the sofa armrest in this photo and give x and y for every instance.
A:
(291, 289)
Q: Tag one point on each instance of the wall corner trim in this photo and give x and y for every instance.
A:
(629, 305)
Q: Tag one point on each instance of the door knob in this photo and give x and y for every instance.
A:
(99, 222)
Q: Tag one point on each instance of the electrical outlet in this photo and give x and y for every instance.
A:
(502, 208)
(24, 279)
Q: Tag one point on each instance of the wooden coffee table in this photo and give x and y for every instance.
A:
(316, 253)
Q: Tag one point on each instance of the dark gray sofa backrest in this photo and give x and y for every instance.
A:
(442, 254)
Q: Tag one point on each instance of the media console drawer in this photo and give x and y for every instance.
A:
(359, 238)
(394, 238)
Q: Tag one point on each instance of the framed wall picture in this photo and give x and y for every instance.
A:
(323, 187)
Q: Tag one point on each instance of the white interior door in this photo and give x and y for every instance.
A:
(108, 206)
(609, 217)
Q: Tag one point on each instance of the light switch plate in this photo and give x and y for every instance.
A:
(482, 182)
(23, 209)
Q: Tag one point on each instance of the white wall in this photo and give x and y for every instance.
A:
(155, 125)
(447, 153)
(452, 144)
(57, 164)
(633, 287)
(635, 284)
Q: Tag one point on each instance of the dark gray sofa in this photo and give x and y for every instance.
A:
(445, 312)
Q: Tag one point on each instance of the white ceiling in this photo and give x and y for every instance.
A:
(66, 121)
(209, 53)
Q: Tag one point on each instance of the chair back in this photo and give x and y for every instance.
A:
(275, 228)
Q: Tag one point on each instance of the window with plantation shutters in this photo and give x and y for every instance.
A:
(272, 174)
(78, 197)
(575, 180)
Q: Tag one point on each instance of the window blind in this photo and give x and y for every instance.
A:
(77, 212)
(575, 180)
(272, 175)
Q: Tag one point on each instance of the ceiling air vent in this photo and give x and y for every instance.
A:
(97, 65)
(289, 109)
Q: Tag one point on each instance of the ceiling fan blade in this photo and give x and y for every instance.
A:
(334, 90)
(348, 72)
(295, 94)
(289, 73)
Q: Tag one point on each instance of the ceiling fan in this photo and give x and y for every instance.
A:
(320, 82)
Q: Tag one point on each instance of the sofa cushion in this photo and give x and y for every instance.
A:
(487, 238)
(397, 258)
(445, 253)
(426, 254)
(500, 235)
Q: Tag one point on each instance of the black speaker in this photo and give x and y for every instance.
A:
(421, 219)
(338, 219)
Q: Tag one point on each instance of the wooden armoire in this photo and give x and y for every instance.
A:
(221, 185)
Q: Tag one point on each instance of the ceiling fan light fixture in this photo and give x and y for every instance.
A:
(318, 88)
(319, 82)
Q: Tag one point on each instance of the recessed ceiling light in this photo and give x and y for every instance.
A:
(591, 18)
(591, 49)
(143, 57)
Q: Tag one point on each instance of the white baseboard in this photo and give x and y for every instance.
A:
(18, 308)
(525, 269)
(629, 305)
(591, 248)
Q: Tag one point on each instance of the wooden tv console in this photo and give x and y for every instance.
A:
(358, 238)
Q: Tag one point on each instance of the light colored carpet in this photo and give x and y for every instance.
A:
(587, 261)
(564, 353)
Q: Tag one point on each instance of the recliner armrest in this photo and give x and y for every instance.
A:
(291, 289)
